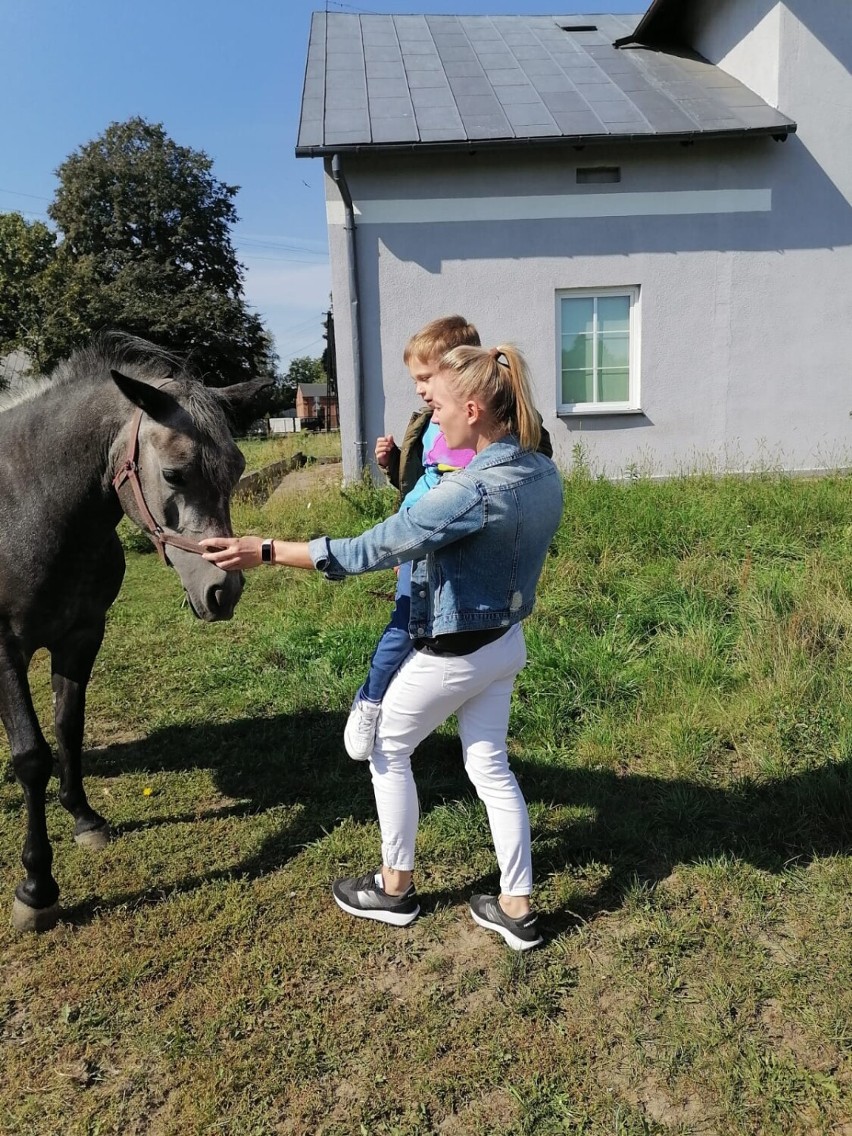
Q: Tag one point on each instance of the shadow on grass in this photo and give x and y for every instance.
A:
(643, 827)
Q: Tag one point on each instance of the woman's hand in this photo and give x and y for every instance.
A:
(237, 553)
(232, 553)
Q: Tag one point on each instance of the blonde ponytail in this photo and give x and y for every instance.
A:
(499, 378)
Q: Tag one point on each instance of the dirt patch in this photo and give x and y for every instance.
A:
(320, 475)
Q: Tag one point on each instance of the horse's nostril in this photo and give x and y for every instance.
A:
(221, 599)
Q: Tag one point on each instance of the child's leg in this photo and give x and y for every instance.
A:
(394, 646)
(392, 650)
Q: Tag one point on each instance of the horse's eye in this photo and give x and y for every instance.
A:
(173, 476)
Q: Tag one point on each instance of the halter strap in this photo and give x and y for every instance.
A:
(129, 471)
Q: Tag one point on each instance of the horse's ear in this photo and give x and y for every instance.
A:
(152, 400)
(244, 403)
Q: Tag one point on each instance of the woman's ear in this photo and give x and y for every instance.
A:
(473, 412)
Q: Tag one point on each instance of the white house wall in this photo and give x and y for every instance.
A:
(743, 37)
(742, 252)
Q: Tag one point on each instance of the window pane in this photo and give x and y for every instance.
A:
(614, 385)
(614, 351)
(578, 315)
(613, 313)
(577, 386)
(577, 352)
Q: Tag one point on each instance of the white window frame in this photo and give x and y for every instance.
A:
(632, 405)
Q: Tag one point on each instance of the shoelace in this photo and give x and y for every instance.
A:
(367, 882)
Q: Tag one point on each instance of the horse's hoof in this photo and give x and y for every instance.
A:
(25, 918)
(95, 838)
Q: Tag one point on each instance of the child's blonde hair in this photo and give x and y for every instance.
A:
(498, 377)
(440, 336)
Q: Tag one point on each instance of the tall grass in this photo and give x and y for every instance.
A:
(259, 452)
(683, 735)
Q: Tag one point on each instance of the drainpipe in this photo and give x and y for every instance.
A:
(354, 315)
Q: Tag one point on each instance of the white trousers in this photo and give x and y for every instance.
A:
(425, 691)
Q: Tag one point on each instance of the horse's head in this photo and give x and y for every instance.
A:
(187, 465)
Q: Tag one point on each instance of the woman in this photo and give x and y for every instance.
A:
(477, 543)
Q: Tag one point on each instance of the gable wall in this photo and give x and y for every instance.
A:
(743, 37)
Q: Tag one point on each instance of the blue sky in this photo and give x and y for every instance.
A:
(222, 76)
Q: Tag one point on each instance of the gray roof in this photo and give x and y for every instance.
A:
(440, 82)
(314, 390)
(16, 369)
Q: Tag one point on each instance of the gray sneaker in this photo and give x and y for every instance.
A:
(359, 735)
(364, 896)
(521, 934)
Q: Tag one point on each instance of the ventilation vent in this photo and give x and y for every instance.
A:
(579, 27)
(598, 175)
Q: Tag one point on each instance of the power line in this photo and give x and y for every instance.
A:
(278, 244)
(287, 259)
(18, 193)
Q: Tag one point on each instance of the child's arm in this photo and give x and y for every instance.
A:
(384, 445)
(387, 458)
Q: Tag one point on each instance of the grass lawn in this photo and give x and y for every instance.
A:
(683, 734)
(259, 452)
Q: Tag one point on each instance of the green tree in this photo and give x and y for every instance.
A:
(27, 249)
(146, 248)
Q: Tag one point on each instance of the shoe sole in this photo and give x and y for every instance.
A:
(513, 941)
(395, 918)
(357, 756)
(360, 754)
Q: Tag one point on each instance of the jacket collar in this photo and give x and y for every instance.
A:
(498, 453)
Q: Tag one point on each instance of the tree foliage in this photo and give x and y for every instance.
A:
(145, 247)
(26, 251)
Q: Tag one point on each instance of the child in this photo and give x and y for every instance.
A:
(414, 469)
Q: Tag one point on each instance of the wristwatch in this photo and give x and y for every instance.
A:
(267, 552)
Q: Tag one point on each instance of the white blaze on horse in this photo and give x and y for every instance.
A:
(119, 428)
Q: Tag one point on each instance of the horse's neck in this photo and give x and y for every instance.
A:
(59, 445)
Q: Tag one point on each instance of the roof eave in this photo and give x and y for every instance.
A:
(779, 132)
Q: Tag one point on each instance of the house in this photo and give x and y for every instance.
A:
(313, 401)
(16, 370)
(657, 209)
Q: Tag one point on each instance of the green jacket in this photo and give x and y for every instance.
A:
(405, 465)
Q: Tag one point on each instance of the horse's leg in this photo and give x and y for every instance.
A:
(72, 661)
(35, 907)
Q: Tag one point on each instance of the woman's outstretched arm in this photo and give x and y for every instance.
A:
(237, 553)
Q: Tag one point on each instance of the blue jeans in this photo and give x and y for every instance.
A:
(394, 646)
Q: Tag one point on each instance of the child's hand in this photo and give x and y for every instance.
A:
(384, 445)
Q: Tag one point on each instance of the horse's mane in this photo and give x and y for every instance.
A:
(106, 351)
(141, 359)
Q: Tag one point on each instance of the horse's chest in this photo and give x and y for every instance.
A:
(58, 595)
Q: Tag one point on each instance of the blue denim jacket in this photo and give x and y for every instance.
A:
(477, 541)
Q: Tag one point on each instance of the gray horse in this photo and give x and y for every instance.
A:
(119, 427)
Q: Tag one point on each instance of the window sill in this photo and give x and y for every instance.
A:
(588, 411)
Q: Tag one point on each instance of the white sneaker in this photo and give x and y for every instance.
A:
(360, 732)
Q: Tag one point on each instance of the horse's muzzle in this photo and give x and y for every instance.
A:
(221, 599)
